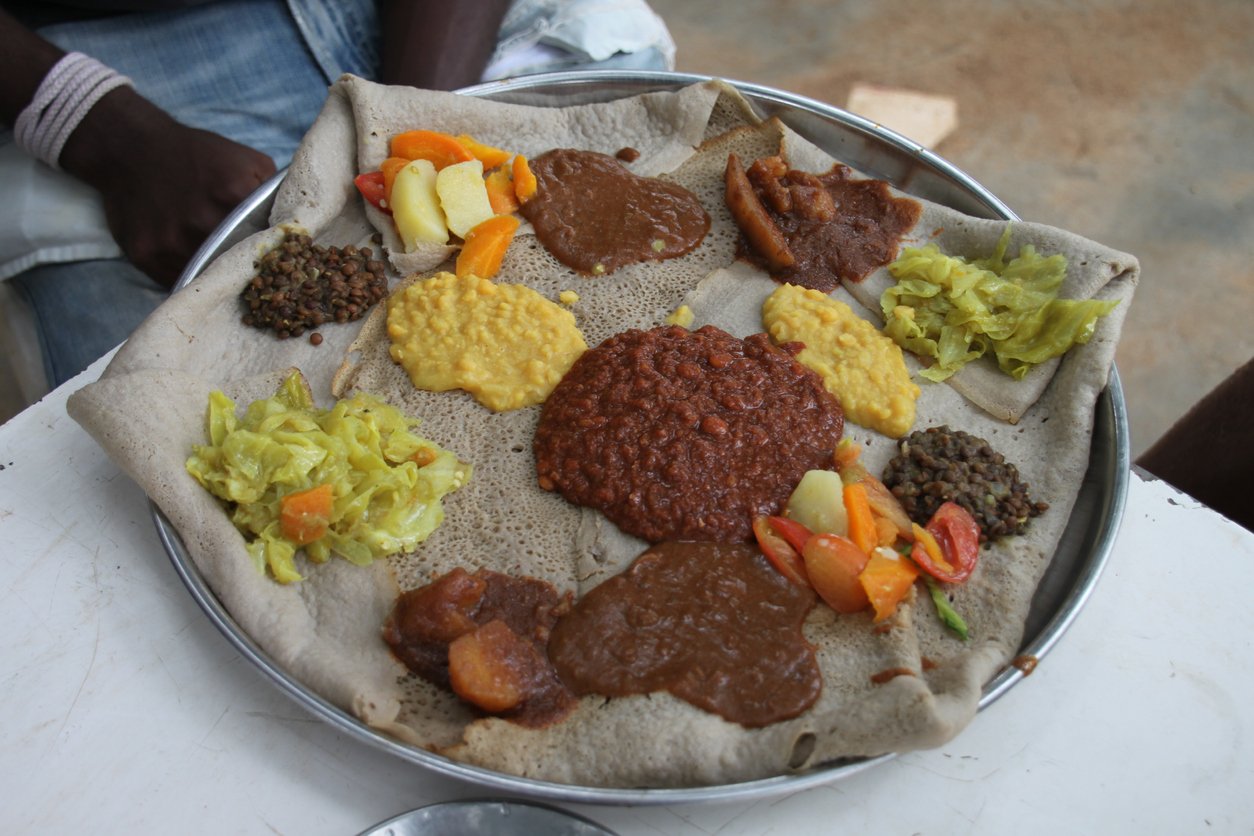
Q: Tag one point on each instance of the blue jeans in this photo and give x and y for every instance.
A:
(239, 68)
(83, 309)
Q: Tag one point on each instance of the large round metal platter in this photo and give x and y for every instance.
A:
(876, 151)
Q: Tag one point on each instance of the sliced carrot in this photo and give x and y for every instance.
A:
(441, 149)
(390, 167)
(525, 184)
(490, 157)
(887, 580)
(848, 461)
(305, 516)
(501, 191)
(485, 246)
(862, 529)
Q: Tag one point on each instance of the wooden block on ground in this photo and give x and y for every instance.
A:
(923, 117)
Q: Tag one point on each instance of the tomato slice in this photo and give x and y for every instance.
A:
(373, 189)
(833, 564)
(782, 556)
(793, 532)
(958, 536)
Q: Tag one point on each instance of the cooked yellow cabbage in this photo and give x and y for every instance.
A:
(954, 310)
(387, 483)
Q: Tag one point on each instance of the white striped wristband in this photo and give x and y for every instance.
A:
(69, 90)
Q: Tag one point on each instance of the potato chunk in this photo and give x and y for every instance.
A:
(416, 206)
(463, 196)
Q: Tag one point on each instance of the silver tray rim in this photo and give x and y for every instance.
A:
(1087, 542)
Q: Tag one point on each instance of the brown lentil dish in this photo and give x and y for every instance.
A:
(500, 625)
(712, 623)
(301, 285)
(938, 464)
(679, 435)
(815, 230)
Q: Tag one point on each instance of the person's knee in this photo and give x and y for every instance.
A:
(82, 309)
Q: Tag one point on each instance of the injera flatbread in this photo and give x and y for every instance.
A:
(148, 410)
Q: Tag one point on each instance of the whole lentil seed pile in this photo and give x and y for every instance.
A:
(938, 464)
(301, 285)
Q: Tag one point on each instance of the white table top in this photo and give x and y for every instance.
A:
(125, 711)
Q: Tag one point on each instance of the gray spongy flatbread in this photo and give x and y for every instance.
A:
(148, 410)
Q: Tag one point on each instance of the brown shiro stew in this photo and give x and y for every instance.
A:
(595, 216)
(679, 435)
(713, 624)
(500, 625)
(815, 230)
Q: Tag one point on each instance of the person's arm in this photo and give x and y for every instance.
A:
(437, 44)
(165, 185)
(25, 58)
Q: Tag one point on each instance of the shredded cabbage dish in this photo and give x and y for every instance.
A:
(385, 482)
(954, 310)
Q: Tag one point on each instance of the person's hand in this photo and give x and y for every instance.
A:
(166, 186)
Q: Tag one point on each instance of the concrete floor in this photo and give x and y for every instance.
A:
(1131, 123)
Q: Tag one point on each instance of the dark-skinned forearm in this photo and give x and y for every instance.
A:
(25, 58)
(436, 44)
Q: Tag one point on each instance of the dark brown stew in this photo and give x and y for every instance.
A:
(498, 627)
(595, 216)
(816, 230)
(713, 624)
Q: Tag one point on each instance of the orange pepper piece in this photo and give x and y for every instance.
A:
(525, 184)
(933, 549)
(305, 516)
(441, 149)
(485, 246)
(887, 579)
(490, 157)
(501, 191)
